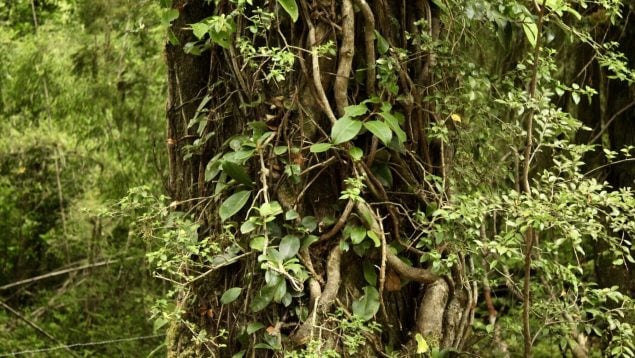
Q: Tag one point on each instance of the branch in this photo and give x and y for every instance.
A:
(347, 50)
(60, 272)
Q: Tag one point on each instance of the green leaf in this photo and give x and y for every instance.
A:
(262, 299)
(257, 243)
(345, 129)
(370, 275)
(240, 354)
(320, 147)
(375, 237)
(200, 29)
(233, 204)
(291, 215)
(531, 30)
(355, 110)
(280, 150)
(356, 153)
(309, 223)
(289, 246)
(358, 234)
(422, 345)
(247, 227)
(368, 305)
(237, 172)
(380, 130)
(291, 8)
(382, 43)
(254, 327)
(169, 15)
(158, 324)
(392, 122)
(280, 290)
(212, 169)
(231, 295)
(271, 208)
(307, 241)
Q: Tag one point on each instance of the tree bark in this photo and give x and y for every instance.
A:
(300, 110)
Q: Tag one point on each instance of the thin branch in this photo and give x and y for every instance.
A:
(608, 123)
(60, 272)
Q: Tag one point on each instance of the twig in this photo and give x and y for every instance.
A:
(60, 272)
(340, 222)
(605, 127)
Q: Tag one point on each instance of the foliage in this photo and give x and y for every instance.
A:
(500, 193)
(79, 98)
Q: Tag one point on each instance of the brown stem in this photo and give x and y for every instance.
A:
(315, 69)
(369, 42)
(530, 234)
(347, 50)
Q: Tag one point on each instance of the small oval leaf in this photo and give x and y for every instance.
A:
(231, 295)
(320, 147)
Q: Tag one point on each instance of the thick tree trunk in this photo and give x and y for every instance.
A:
(300, 110)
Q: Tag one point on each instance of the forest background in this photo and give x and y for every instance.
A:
(92, 255)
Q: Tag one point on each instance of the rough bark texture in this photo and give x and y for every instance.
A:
(300, 111)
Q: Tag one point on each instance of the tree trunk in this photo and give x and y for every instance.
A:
(227, 91)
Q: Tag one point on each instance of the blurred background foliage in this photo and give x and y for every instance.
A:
(82, 94)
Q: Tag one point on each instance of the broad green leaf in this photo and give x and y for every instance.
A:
(375, 237)
(200, 29)
(345, 129)
(169, 15)
(307, 241)
(320, 147)
(355, 110)
(368, 305)
(262, 299)
(392, 122)
(158, 324)
(280, 150)
(531, 30)
(247, 227)
(291, 8)
(237, 172)
(289, 246)
(231, 295)
(309, 223)
(370, 275)
(271, 208)
(380, 130)
(240, 354)
(280, 290)
(257, 243)
(291, 215)
(233, 204)
(212, 169)
(422, 345)
(358, 234)
(382, 43)
(254, 327)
